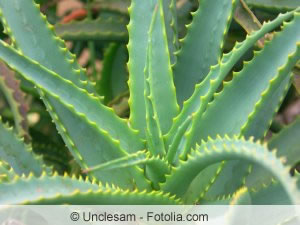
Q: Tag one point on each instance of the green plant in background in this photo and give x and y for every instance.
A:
(191, 137)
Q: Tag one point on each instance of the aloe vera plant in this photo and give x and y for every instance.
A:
(191, 137)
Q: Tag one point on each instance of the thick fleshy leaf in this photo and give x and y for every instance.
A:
(35, 37)
(66, 190)
(286, 145)
(50, 51)
(140, 20)
(154, 136)
(156, 167)
(255, 73)
(69, 94)
(220, 149)
(160, 75)
(170, 15)
(103, 130)
(270, 194)
(254, 118)
(201, 48)
(205, 90)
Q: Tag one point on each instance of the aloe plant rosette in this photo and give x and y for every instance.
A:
(191, 137)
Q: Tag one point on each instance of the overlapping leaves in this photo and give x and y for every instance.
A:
(176, 154)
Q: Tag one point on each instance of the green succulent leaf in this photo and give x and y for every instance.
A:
(201, 185)
(88, 150)
(154, 138)
(138, 27)
(19, 155)
(66, 190)
(267, 93)
(286, 146)
(261, 118)
(205, 90)
(35, 37)
(173, 151)
(241, 197)
(71, 95)
(91, 146)
(227, 149)
(102, 129)
(255, 72)
(102, 29)
(156, 167)
(228, 179)
(201, 48)
(160, 72)
(170, 15)
(272, 193)
(269, 194)
(224, 200)
(48, 187)
(160, 155)
(134, 159)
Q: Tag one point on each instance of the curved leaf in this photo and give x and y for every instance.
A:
(272, 193)
(286, 145)
(69, 94)
(65, 190)
(255, 72)
(205, 90)
(101, 126)
(256, 110)
(87, 150)
(226, 149)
